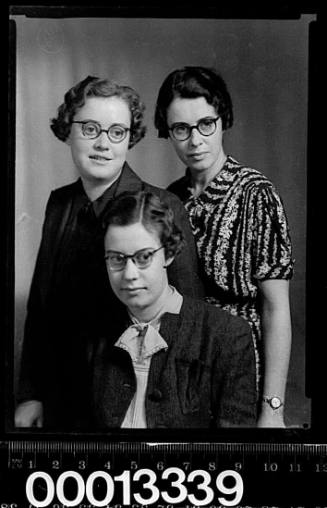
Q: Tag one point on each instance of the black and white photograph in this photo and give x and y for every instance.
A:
(208, 110)
(160, 226)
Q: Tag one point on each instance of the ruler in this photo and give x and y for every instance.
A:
(161, 475)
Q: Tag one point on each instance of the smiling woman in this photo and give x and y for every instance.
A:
(70, 300)
(98, 157)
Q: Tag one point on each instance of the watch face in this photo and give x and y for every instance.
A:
(275, 402)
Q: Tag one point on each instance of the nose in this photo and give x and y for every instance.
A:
(195, 138)
(102, 141)
(130, 271)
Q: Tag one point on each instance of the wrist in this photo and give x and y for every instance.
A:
(273, 402)
(270, 418)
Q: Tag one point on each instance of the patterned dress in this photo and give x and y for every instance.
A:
(242, 237)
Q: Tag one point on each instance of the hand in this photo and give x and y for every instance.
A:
(29, 414)
(270, 418)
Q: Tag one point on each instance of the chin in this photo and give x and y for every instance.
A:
(200, 166)
(134, 303)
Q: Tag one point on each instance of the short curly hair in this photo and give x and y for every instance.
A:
(148, 209)
(98, 87)
(190, 83)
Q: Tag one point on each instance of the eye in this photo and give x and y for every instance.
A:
(180, 128)
(90, 129)
(144, 256)
(206, 123)
(116, 260)
(117, 131)
(116, 257)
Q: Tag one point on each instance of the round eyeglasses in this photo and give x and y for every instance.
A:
(182, 131)
(116, 261)
(92, 130)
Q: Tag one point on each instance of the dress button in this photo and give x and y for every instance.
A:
(156, 395)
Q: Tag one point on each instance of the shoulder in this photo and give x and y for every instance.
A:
(132, 181)
(165, 195)
(251, 180)
(66, 192)
(246, 176)
(250, 184)
(213, 330)
(60, 200)
(213, 317)
(179, 187)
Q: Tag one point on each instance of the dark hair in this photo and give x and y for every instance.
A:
(146, 208)
(190, 83)
(97, 87)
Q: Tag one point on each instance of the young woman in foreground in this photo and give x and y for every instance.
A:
(173, 361)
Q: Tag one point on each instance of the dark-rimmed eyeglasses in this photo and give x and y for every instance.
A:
(116, 261)
(92, 130)
(205, 126)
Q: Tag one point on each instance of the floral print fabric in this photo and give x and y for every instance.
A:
(242, 237)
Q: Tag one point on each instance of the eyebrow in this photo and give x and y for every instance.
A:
(209, 117)
(120, 252)
(96, 121)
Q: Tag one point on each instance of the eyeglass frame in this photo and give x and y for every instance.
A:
(84, 122)
(132, 257)
(196, 126)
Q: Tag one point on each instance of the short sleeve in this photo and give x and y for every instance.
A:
(272, 248)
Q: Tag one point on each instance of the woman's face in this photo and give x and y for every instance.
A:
(99, 161)
(139, 289)
(202, 154)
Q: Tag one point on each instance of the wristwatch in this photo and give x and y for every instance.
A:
(274, 402)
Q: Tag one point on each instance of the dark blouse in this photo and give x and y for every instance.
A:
(242, 237)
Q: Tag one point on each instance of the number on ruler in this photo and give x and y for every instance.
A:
(107, 465)
(271, 466)
(321, 468)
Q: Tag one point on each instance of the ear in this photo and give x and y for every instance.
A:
(169, 261)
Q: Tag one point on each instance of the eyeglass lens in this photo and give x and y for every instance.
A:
(205, 126)
(142, 259)
(115, 133)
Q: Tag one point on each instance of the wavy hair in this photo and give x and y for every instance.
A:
(148, 209)
(97, 87)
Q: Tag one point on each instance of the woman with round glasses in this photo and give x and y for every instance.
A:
(238, 221)
(173, 361)
(70, 298)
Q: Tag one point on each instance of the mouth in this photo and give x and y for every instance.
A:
(99, 158)
(133, 290)
(197, 155)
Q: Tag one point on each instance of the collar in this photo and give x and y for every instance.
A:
(126, 181)
(172, 305)
(230, 167)
(142, 340)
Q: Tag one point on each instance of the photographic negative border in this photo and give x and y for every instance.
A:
(315, 281)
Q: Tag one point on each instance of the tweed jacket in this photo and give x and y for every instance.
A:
(205, 379)
(41, 378)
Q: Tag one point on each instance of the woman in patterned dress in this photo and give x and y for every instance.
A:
(239, 224)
